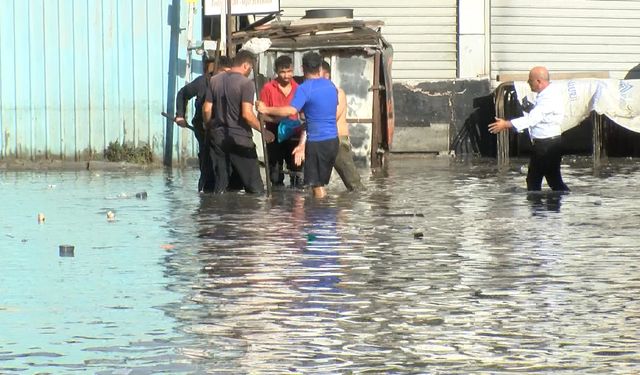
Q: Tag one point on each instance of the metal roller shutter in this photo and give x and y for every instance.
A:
(423, 33)
(566, 36)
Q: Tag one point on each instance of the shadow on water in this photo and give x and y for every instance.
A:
(498, 281)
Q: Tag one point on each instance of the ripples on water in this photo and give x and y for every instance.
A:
(442, 266)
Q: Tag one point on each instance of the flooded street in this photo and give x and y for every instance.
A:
(441, 266)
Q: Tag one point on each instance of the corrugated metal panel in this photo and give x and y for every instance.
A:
(572, 35)
(423, 33)
(76, 75)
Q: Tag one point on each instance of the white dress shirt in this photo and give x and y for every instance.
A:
(545, 118)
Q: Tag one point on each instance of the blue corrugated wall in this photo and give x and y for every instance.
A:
(78, 74)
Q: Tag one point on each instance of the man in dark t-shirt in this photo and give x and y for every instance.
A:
(198, 89)
(232, 121)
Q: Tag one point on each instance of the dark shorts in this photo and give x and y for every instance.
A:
(319, 160)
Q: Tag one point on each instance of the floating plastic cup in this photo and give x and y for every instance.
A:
(66, 250)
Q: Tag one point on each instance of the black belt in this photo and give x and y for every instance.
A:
(543, 140)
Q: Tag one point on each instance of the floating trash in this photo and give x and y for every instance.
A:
(66, 250)
(111, 216)
(418, 235)
(141, 195)
(41, 218)
(524, 169)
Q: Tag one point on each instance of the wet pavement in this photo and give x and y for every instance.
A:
(441, 266)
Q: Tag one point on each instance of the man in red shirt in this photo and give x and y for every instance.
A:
(278, 93)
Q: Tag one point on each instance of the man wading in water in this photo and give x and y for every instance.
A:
(344, 164)
(198, 88)
(230, 130)
(275, 93)
(543, 122)
(317, 97)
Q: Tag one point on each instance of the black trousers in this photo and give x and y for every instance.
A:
(279, 156)
(234, 166)
(545, 162)
(206, 182)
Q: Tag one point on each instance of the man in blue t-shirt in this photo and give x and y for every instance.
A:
(317, 98)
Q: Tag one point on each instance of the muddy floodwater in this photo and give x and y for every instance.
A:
(443, 266)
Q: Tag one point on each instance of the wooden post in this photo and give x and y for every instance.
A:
(231, 50)
(502, 152)
(223, 27)
(376, 123)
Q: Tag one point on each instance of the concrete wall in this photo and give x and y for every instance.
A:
(430, 114)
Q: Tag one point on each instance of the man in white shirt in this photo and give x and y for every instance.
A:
(543, 123)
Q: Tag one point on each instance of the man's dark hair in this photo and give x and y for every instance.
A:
(243, 57)
(223, 61)
(311, 62)
(326, 67)
(283, 62)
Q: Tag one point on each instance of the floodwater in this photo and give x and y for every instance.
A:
(441, 266)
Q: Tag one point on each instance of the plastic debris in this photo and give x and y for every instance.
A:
(41, 218)
(66, 250)
(111, 216)
(257, 45)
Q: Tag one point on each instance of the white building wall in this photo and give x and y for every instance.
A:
(423, 32)
(565, 36)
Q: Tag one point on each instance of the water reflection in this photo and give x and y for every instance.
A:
(542, 202)
(499, 282)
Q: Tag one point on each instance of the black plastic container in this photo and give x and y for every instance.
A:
(67, 250)
(328, 13)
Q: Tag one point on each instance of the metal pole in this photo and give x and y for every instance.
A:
(185, 136)
(376, 123)
(596, 120)
(192, 9)
(265, 154)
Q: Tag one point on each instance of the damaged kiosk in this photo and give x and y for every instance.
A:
(361, 65)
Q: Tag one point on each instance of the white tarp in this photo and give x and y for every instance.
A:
(619, 100)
